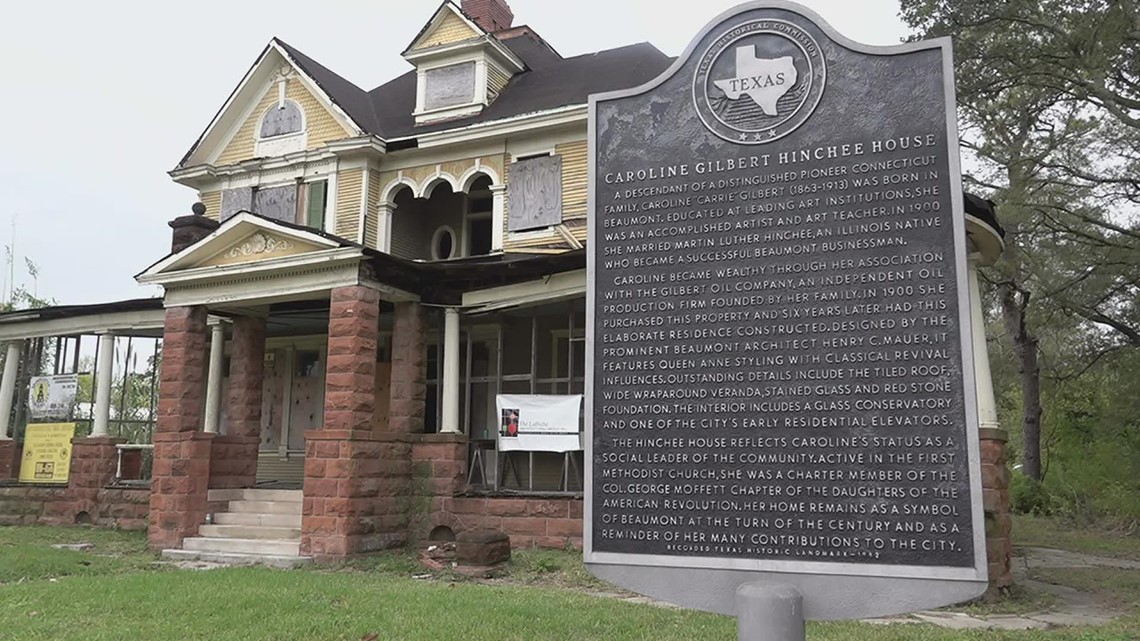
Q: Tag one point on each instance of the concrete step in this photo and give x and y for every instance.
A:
(266, 507)
(268, 520)
(244, 546)
(224, 531)
(254, 494)
(234, 558)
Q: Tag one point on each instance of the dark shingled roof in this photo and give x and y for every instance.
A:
(549, 82)
(353, 100)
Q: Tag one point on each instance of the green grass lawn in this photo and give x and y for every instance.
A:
(117, 592)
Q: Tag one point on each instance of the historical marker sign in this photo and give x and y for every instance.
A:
(780, 378)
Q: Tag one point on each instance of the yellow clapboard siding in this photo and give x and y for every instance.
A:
(497, 78)
(451, 29)
(213, 202)
(575, 170)
(319, 123)
(371, 223)
(349, 185)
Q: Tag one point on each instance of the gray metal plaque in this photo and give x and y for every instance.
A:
(449, 86)
(780, 381)
(535, 193)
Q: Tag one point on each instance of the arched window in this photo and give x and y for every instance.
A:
(281, 120)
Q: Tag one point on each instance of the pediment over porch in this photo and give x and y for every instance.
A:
(244, 238)
(252, 260)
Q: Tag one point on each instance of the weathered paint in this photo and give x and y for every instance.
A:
(450, 29)
(213, 202)
(349, 188)
(497, 78)
(449, 86)
(371, 223)
(258, 246)
(575, 170)
(535, 193)
(320, 124)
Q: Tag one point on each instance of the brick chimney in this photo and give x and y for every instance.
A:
(492, 15)
(190, 229)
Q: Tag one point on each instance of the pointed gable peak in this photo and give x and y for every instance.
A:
(346, 104)
(447, 25)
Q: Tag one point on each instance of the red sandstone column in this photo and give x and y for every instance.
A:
(353, 476)
(234, 460)
(350, 375)
(409, 370)
(180, 480)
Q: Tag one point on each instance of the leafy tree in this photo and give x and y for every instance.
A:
(1049, 108)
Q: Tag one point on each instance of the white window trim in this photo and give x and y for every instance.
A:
(478, 95)
(280, 145)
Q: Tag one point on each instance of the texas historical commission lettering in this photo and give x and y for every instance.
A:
(775, 355)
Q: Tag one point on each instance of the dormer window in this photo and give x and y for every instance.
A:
(449, 86)
(460, 66)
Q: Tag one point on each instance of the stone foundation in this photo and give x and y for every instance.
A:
(995, 498)
(356, 494)
(88, 498)
(553, 522)
(124, 508)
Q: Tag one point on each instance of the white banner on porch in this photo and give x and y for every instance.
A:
(539, 422)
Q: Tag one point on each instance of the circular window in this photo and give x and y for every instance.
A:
(443, 243)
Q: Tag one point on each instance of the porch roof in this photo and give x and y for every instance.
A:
(138, 316)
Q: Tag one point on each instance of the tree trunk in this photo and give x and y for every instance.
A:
(1013, 303)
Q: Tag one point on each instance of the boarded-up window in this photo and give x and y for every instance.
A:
(535, 193)
(278, 203)
(281, 120)
(235, 200)
(449, 86)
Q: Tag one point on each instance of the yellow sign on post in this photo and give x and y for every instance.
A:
(47, 453)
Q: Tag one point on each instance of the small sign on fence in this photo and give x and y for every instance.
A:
(52, 396)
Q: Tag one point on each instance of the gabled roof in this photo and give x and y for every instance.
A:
(340, 95)
(353, 100)
(548, 82)
(444, 10)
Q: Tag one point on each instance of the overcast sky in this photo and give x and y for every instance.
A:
(101, 99)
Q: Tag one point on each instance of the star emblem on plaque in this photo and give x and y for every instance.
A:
(759, 81)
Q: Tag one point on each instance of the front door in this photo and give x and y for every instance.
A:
(292, 403)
